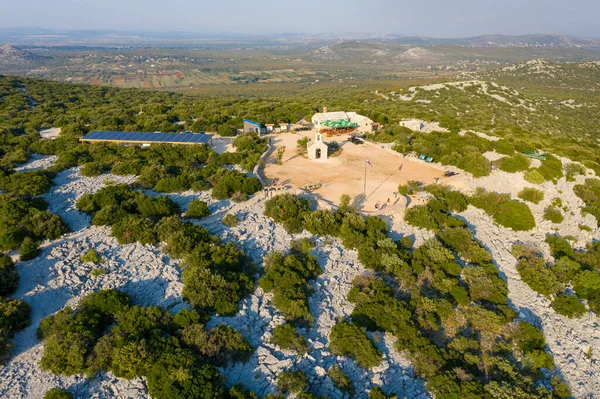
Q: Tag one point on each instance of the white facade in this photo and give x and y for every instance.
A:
(317, 149)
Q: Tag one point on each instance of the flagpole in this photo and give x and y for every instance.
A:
(365, 187)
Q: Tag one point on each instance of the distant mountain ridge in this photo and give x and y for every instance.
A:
(46, 37)
(499, 41)
(12, 56)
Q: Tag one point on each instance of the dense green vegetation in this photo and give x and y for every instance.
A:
(590, 195)
(453, 321)
(350, 339)
(464, 152)
(286, 337)
(163, 168)
(288, 210)
(341, 380)
(26, 217)
(531, 195)
(216, 275)
(580, 269)
(377, 393)
(534, 272)
(574, 169)
(91, 256)
(197, 209)
(553, 214)
(521, 121)
(14, 313)
(288, 277)
(230, 220)
(515, 163)
(58, 393)
(292, 381)
(175, 353)
(506, 212)
(30, 184)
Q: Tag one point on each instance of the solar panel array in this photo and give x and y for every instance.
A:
(142, 137)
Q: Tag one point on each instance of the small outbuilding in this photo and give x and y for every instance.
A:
(317, 149)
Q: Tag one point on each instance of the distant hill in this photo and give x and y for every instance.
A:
(417, 54)
(499, 41)
(13, 57)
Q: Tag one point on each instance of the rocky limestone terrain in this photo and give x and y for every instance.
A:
(57, 278)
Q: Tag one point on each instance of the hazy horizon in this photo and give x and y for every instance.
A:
(441, 19)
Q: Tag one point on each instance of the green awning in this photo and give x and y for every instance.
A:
(339, 124)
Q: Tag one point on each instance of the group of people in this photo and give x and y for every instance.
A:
(378, 206)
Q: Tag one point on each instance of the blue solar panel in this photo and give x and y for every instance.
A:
(144, 137)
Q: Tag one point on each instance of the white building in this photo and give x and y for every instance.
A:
(317, 149)
(365, 125)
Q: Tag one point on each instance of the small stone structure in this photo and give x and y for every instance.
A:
(317, 149)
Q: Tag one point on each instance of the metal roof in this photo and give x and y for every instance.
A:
(143, 137)
(251, 122)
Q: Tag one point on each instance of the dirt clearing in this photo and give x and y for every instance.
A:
(345, 174)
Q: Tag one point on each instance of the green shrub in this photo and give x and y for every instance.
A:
(341, 380)
(410, 188)
(91, 256)
(560, 389)
(173, 184)
(506, 212)
(301, 145)
(29, 249)
(287, 277)
(92, 169)
(230, 220)
(27, 217)
(134, 228)
(14, 317)
(215, 292)
(286, 337)
(534, 176)
(29, 183)
(98, 271)
(531, 195)
(230, 182)
(560, 246)
(58, 393)
(534, 271)
(70, 335)
(221, 345)
(9, 278)
(568, 306)
(302, 246)
(590, 195)
(197, 209)
(585, 228)
(198, 381)
(566, 269)
(349, 339)
(288, 210)
(574, 169)
(377, 393)
(514, 163)
(551, 168)
(554, 215)
(292, 381)
(451, 199)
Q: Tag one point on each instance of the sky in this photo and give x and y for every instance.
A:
(433, 18)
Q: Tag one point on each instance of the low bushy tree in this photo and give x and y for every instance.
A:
(349, 339)
(197, 209)
(286, 337)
